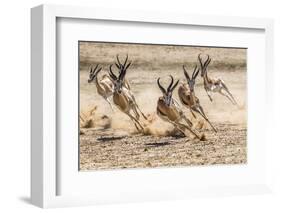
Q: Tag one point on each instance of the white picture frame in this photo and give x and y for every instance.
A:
(44, 154)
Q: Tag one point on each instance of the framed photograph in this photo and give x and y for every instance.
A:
(129, 106)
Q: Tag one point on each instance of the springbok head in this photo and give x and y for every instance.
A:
(122, 68)
(191, 81)
(118, 81)
(204, 65)
(93, 73)
(167, 94)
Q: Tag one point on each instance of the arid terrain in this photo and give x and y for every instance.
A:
(108, 139)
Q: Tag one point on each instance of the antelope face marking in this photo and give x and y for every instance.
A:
(168, 98)
(191, 84)
(118, 84)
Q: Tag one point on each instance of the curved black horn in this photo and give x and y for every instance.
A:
(98, 70)
(200, 61)
(185, 73)
(195, 72)
(171, 84)
(129, 64)
(175, 85)
(125, 61)
(122, 74)
(160, 86)
(112, 75)
(207, 61)
(117, 57)
(93, 70)
(117, 65)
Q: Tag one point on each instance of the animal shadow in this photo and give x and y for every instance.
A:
(157, 144)
(110, 138)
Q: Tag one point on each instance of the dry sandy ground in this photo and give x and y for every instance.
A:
(118, 145)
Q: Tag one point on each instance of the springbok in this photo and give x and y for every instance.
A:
(213, 85)
(104, 86)
(188, 98)
(122, 98)
(121, 67)
(169, 111)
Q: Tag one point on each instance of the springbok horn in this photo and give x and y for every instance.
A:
(175, 85)
(171, 84)
(128, 65)
(118, 60)
(122, 74)
(195, 72)
(98, 70)
(160, 86)
(125, 61)
(112, 75)
(207, 61)
(200, 61)
(185, 73)
(117, 65)
(93, 70)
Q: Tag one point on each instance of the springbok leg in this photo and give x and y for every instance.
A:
(135, 121)
(200, 111)
(229, 93)
(209, 95)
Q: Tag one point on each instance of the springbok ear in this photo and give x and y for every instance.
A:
(185, 73)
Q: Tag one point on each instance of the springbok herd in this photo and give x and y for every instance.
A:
(116, 85)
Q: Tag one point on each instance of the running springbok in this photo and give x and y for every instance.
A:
(188, 98)
(122, 98)
(169, 111)
(104, 86)
(214, 85)
(123, 68)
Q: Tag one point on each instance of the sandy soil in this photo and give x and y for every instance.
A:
(112, 141)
